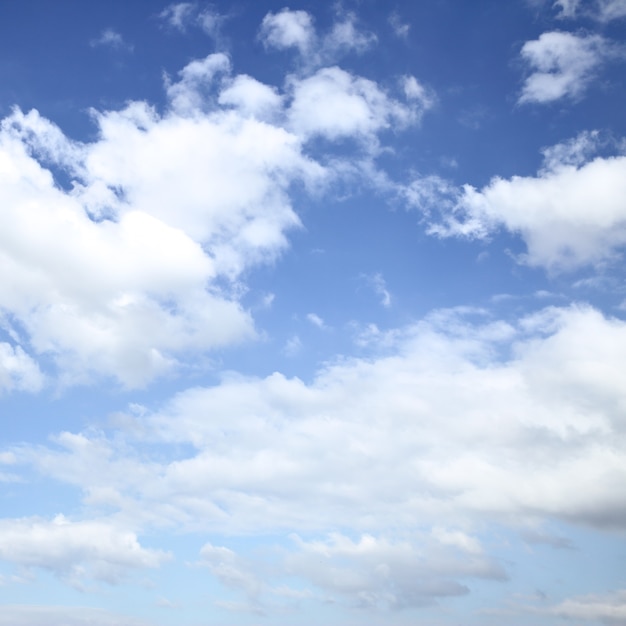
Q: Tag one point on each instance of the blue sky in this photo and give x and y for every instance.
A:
(313, 314)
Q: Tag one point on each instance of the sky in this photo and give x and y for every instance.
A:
(313, 314)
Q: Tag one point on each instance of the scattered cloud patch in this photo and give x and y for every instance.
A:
(288, 29)
(18, 370)
(296, 29)
(178, 15)
(600, 10)
(400, 28)
(316, 320)
(111, 39)
(562, 65)
(184, 15)
(378, 284)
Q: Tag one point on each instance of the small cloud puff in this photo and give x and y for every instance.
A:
(295, 29)
(111, 39)
(562, 65)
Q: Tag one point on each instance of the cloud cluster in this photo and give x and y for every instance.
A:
(295, 29)
(144, 233)
(454, 421)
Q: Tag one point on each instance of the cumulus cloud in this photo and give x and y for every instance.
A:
(295, 29)
(562, 65)
(335, 104)
(160, 208)
(572, 213)
(137, 260)
(75, 551)
(510, 401)
(375, 573)
(288, 29)
(530, 413)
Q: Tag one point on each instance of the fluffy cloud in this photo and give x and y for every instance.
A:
(456, 421)
(117, 274)
(510, 402)
(571, 214)
(75, 550)
(562, 65)
(295, 29)
(288, 29)
(334, 104)
(375, 573)
(125, 253)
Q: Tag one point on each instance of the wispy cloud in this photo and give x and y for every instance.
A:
(111, 39)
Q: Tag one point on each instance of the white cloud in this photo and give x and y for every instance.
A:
(360, 447)
(600, 10)
(137, 261)
(453, 421)
(571, 214)
(232, 572)
(112, 39)
(183, 15)
(611, 9)
(345, 36)
(293, 346)
(252, 97)
(607, 608)
(295, 29)
(288, 29)
(178, 15)
(316, 320)
(562, 65)
(567, 8)
(75, 551)
(380, 288)
(161, 208)
(400, 28)
(18, 370)
(335, 104)
(375, 573)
